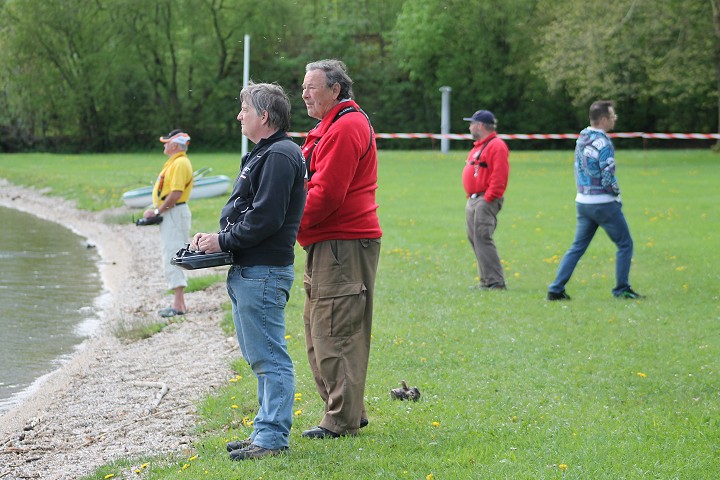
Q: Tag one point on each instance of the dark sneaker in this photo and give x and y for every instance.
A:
(629, 294)
(238, 445)
(254, 452)
(495, 286)
(170, 312)
(552, 296)
(319, 432)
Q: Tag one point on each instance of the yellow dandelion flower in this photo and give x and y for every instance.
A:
(429, 476)
(137, 470)
(144, 465)
(436, 424)
(423, 359)
(234, 406)
(680, 269)
(517, 274)
(186, 466)
(563, 467)
(109, 475)
(194, 457)
(287, 337)
(641, 375)
(298, 412)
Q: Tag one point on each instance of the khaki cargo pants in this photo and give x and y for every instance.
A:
(339, 284)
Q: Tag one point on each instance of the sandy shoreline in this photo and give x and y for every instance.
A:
(95, 408)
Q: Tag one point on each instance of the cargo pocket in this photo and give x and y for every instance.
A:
(339, 309)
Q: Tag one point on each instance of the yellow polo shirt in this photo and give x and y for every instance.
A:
(176, 174)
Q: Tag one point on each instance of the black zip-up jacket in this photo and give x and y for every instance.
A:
(260, 221)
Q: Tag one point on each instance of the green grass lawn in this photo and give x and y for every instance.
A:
(512, 386)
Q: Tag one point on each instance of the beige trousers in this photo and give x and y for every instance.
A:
(339, 285)
(174, 234)
(481, 218)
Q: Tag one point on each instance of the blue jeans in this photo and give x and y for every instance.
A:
(259, 295)
(610, 217)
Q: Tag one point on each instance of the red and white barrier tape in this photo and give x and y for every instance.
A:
(543, 136)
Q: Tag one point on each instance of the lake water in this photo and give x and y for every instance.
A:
(49, 283)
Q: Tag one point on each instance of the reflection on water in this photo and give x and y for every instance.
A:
(48, 285)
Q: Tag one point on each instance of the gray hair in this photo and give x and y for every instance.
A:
(336, 72)
(270, 98)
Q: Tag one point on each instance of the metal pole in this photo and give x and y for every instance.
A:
(246, 80)
(445, 119)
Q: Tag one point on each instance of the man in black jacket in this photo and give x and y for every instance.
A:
(259, 225)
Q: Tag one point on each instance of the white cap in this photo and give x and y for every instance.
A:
(176, 136)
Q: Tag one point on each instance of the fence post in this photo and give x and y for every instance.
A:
(246, 80)
(445, 118)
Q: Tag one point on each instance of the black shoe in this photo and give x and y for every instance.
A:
(492, 286)
(364, 422)
(629, 294)
(319, 432)
(253, 452)
(238, 445)
(552, 296)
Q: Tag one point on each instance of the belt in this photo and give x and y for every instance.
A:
(476, 195)
(180, 203)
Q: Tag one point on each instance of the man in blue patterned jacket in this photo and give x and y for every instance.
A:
(598, 204)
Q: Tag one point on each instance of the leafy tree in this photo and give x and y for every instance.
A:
(113, 74)
(660, 58)
(56, 74)
(191, 56)
(355, 32)
(118, 72)
(483, 51)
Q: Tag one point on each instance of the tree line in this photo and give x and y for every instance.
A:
(112, 75)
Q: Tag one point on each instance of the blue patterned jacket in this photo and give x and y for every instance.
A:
(595, 164)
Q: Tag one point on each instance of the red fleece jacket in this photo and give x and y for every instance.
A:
(486, 169)
(341, 193)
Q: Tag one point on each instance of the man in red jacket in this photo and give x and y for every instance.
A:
(340, 233)
(485, 178)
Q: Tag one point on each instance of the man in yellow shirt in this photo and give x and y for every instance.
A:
(170, 195)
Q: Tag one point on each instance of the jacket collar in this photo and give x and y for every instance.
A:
(324, 124)
(275, 137)
(485, 140)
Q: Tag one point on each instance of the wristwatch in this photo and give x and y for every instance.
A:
(157, 212)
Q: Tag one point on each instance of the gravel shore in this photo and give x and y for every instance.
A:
(101, 405)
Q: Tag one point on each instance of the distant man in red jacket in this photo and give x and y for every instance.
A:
(485, 178)
(340, 233)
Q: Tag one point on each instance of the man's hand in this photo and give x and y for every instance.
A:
(206, 242)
